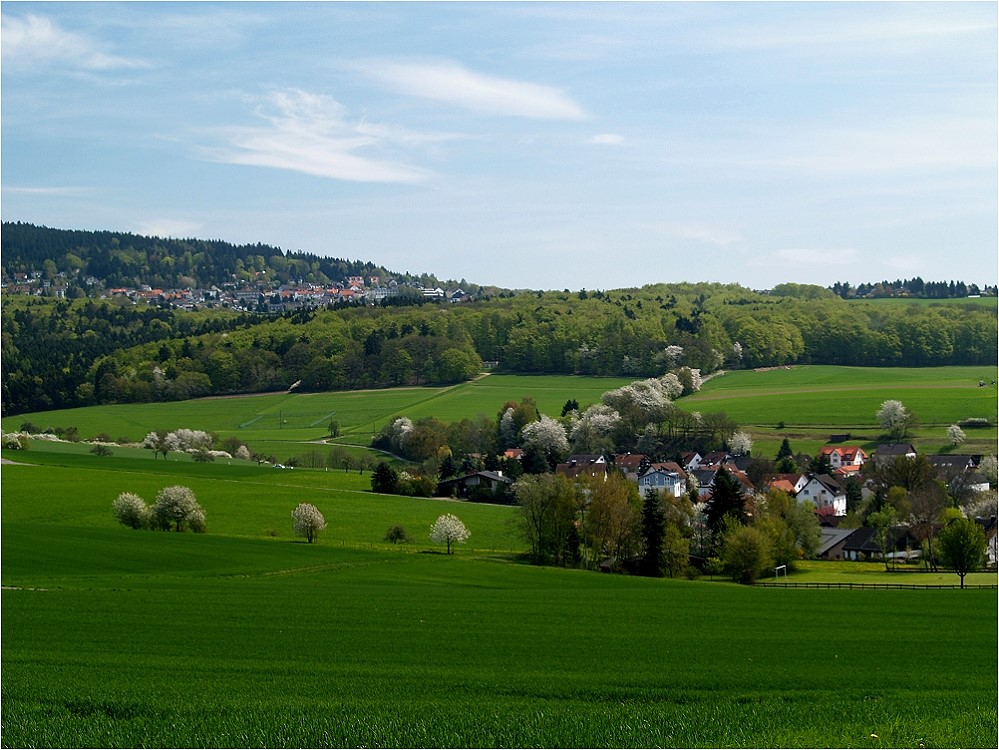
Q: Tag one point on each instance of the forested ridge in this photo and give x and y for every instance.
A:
(121, 259)
(62, 353)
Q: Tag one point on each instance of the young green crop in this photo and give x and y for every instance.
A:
(311, 646)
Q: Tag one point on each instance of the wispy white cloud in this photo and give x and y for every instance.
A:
(35, 41)
(311, 133)
(49, 190)
(168, 228)
(606, 139)
(449, 82)
(893, 28)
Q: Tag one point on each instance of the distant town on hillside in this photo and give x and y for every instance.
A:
(191, 273)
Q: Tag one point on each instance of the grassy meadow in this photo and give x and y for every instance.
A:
(815, 401)
(811, 401)
(248, 636)
(245, 636)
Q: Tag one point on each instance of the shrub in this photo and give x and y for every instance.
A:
(100, 449)
(746, 554)
(397, 534)
(16, 441)
(196, 520)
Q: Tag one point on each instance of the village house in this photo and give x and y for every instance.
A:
(825, 493)
(792, 484)
(476, 485)
(891, 451)
(691, 460)
(632, 465)
(662, 479)
(840, 456)
(578, 466)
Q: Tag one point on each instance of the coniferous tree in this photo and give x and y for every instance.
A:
(726, 500)
(654, 533)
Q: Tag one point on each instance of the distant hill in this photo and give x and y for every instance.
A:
(122, 259)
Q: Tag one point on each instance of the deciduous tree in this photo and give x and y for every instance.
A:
(448, 529)
(131, 510)
(308, 521)
(545, 443)
(894, 419)
(955, 435)
(175, 507)
(962, 545)
(547, 517)
(745, 552)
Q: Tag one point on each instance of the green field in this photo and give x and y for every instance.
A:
(305, 416)
(812, 402)
(815, 401)
(246, 637)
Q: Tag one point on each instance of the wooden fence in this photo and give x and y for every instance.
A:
(874, 585)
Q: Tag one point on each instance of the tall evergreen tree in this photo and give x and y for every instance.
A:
(726, 500)
(653, 532)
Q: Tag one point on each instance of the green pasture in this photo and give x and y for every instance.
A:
(292, 417)
(182, 641)
(240, 499)
(246, 636)
(814, 401)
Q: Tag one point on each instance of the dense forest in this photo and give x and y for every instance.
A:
(120, 259)
(62, 353)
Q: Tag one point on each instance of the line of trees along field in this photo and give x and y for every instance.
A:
(61, 353)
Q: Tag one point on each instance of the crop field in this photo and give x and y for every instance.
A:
(814, 401)
(284, 417)
(811, 401)
(245, 636)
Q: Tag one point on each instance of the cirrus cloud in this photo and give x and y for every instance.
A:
(449, 82)
(311, 133)
(35, 41)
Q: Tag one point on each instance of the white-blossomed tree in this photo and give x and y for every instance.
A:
(131, 510)
(308, 521)
(895, 419)
(448, 529)
(177, 508)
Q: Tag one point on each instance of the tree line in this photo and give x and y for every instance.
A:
(61, 353)
(914, 287)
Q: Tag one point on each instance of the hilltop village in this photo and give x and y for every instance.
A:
(260, 297)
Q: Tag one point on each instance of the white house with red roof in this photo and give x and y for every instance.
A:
(844, 455)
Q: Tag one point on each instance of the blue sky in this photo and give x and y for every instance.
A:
(528, 145)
